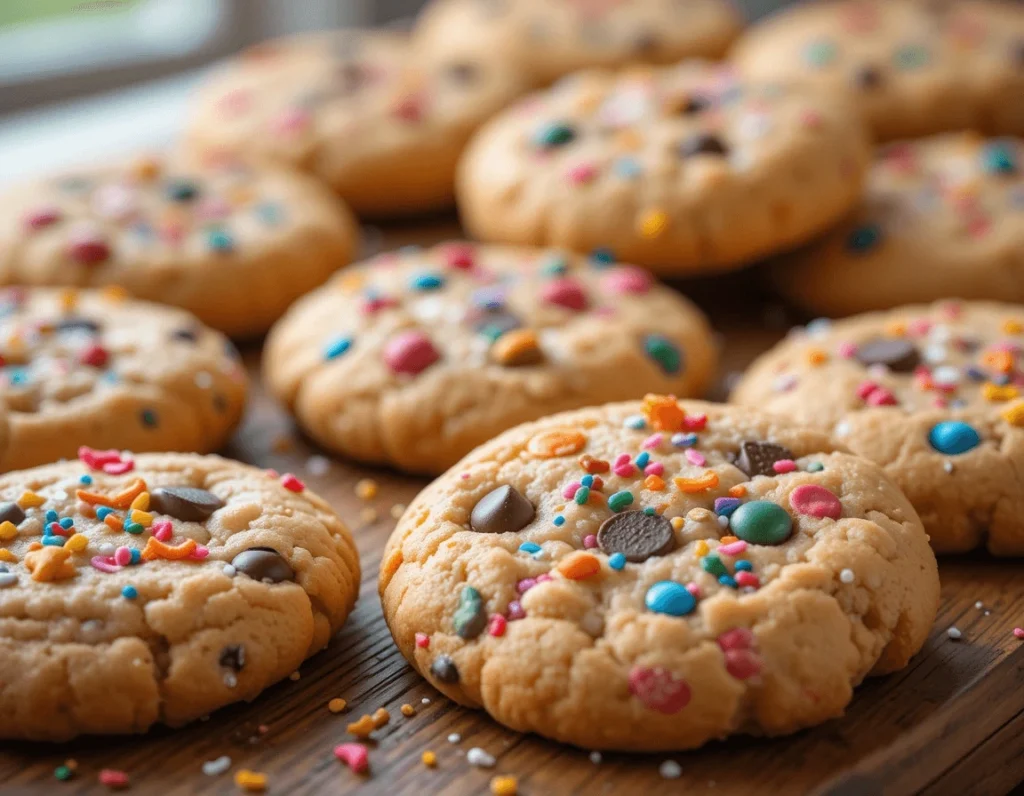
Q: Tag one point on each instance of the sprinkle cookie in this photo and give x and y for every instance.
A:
(912, 67)
(681, 169)
(232, 244)
(358, 111)
(546, 40)
(157, 588)
(942, 216)
(682, 572)
(414, 358)
(93, 368)
(934, 394)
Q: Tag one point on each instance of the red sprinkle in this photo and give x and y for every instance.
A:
(459, 255)
(565, 292)
(292, 483)
(95, 355)
(114, 779)
(42, 217)
(627, 279)
(742, 664)
(353, 755)
(422, 640)
(659, 689)
(739, 638)
(496, 625)
(747, 579)
(88, 248)
(410, 352)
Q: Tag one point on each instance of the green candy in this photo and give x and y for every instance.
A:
(63, 773)
(620, 500)
(470, 618)
(553, 135)
(761, 522)
(664, 352)
(713, 564)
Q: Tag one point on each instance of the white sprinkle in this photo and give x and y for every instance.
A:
(847, 576)
(595, 757)
(230, 680)
(478, 757)
(106, 549)
(946, 374)
(229, 570)
(723, 521)
(947, 466)
(7, 579)
(670, 769)
(213, 768)
(318, 465)
(454, 738)
(935, 354)
(819, 327)
(954, 633)
(842, 429)
(425, 701)
(979, 605)
(204, 380)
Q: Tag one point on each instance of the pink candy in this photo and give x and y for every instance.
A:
(162, 530)
(623, 466)
(459, 255)
(570, 491)
(695, 457)
(783, 466)
(292, 483)
(109, 461)
(653, 441)
(410, 352)
(733, 548)
(659, 689)
(353, 755)
(742, 664)
(565, 292)
(654, 468)
(515, 611)
(626, 279)
(104, 564)
(847, 350)
(123, 556)
(581, 173)
(293, 120)
(590, 541)
(816, 501)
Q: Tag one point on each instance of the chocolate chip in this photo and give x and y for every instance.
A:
(694, 104)
(500, 511)
(637, 535)
(233, 657)
(702, 144)
(263, 564)
(900, 356)
(445, 670)
(77, 324)
(184, 502)
(187, 335)
(11, 512)
(470, 618)
(757, 458)
(182, 190)
(462, 72)
(867, 77)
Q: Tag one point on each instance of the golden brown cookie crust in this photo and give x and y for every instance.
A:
(552, 638)
(96, 639)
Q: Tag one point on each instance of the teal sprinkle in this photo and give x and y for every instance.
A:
(627, 168)
(427, 282)
(67, 523)
(820, 53)
(269, 213)
(864, 238)
(337, 347)
(587, 480)
(649, 511)
(63, 773)
(529, 547)
(129, 592)
(602, 257)
(664, 352)
(103, 512)
(555, 266)
(643, 459)
(815, 467)
(133, 527)
(553, 135)
(635, 422)
(998, 159)
(219, 240)
(51, 516)
(559, 520)
(728, 580)
(19, 376)
(85, 479)
(744, 566)
(492, 332)
(53, 541)
(620, 500)
(712, 564)
(911, 57)
(582, 494)
(136, 556)
(148, 417)
(617, 561)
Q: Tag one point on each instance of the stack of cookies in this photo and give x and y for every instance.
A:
(704, 569)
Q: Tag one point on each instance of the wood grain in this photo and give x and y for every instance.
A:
(951, 723)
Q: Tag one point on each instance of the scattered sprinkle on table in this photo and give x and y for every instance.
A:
(337, 705)
(478, 757)
(670, 769)
(251, 781)
(954, 633)
(504, 785)
(454, 738)
(214, 768)
(114, 779)
(429, 759)
(1019, 632)
(366, 489)
(408, 710)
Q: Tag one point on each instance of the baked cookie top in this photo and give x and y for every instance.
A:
(357, 109)
(417, 356)
(942, 216)
(914, 68)
(189, 232)
(680, 169)
(158, 587)
(933, 393)
(94, 368)
(652, 575)
(546, 39)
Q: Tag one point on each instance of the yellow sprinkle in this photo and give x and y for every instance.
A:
(653, 223)
(114, 293)
(504, 786)
(68, 300)
(408, 710)
(250, 780)
(77, 543)
(677, 523)
(1014, 414)
(143, 518)
(30, 500)
(701, 548)
(141, 502)
(350, 283)
(7, 556)
(429, 759)
(295, 676)
(8, 530)
(996, 392)
(1013, 327)
(337, 705)
(366, 489)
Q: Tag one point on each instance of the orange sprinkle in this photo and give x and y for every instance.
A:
(429, 759)
(737, 491)
(517, 347)
(999, 360)
(579, 566)
(408, 710)
(557, 442)
(114, 293)
(8, 530)
(663, 412)
(677, 523)
(114, 522)
(997, 392)
(1012, 327)
(654, 483)
(156, 549)
(121, 500)
(361, 728)
(592, 465)
(652, 223)
(1014, 414)
(7, 556)
(693, 485)
(816, 356)
(896, 329)
(50, 563)
(728, 539)
(380, 718)
(701, 548)
(337, 705)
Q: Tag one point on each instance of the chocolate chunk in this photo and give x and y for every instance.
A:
(11, 512)
(895, 353)
(187, 335)
(757, 458)
(184, 502)
(702, 144)
(263, 564)
(445, 670)
(233, 657)
(470, 618)
(500, 511)
(867, 77)
(694, 104)
(637, 535)
(77, 324)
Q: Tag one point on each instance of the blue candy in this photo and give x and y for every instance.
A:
(337, 347)
(617, 561)
(668, 597)
(529, 547)
(953, 437)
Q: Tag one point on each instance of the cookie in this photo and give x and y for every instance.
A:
(94, 368)
(156, 588)
(680, 169)
(356, 109)
(545, 40)
(942, 216)
(913, 67)
(934, 394)
(233, 244)
(656, 574)
(415, 357)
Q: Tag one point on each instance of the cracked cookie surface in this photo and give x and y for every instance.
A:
(231, 243)
(157, 588)
(415, 357)
(933, 393)
(653, 575)
(912, 68)
(93, 367)
(680, 169)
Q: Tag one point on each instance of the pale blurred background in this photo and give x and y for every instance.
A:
(87, 79)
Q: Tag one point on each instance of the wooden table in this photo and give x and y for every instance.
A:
(952, 722)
